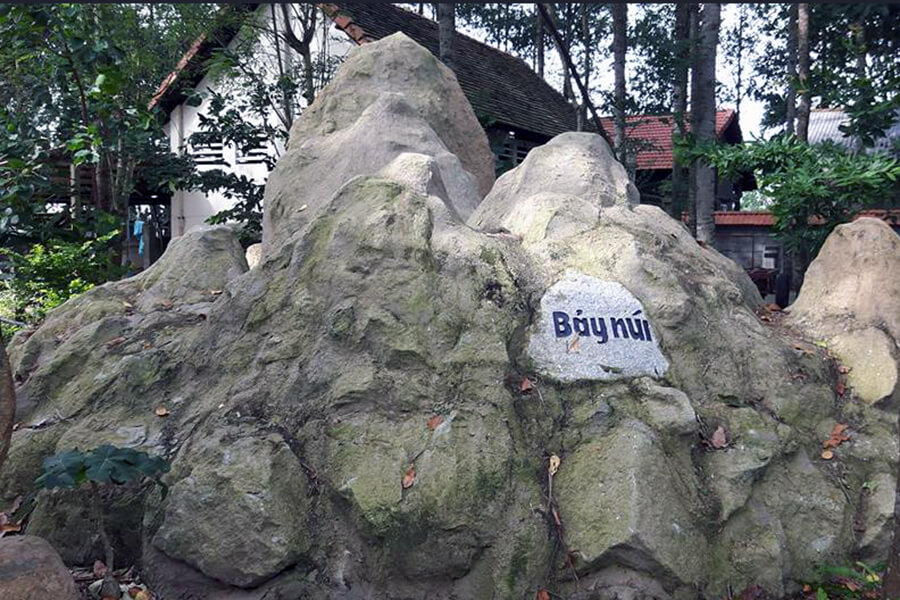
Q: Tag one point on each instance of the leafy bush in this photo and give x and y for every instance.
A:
(54, 271)
(812, 188)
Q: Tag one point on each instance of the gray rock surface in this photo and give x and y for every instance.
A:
(31, 569)
(387, 98)
(588, 329)
(854, 310)
(359, 415)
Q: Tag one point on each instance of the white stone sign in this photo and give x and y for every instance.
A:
(594, 329)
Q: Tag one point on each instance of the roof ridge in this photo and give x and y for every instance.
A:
(435, 23)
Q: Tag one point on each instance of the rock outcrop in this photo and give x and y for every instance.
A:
(369, 411)
(850, 299)
(30, 568)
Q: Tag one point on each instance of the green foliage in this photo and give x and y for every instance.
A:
(812, 188)
(103, 465)
(54, 271)
(858, 582)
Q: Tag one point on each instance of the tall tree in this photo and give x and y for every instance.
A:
(538, 42)
(790, 111)
(679, 104)
(446, 31)
(803, 82)
(619, 46)
(703, 117)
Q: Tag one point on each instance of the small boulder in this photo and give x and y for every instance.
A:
(849, 300)
(30, 569)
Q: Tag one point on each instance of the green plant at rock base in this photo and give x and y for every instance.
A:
(105, 465)
(847, 583)
(54, 271)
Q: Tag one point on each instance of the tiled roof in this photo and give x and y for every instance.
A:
(825, 123)
(191, 68)
(499, 86)
(654, 132)
(730, 218)
(743, 218)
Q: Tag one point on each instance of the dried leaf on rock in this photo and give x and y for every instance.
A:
(719, 439)
(554, 465)
(773, 307)
(526, 386)
(840, 388)
(543, 594)
(827, 454)
(434, 421)
(409, 478)
(161, 411)
(115, 341)
(843, 370)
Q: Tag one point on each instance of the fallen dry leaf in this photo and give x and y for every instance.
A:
(839, 429)
(10, 528)
(409, 478)
(843, 370)
(115, 341)
(134, 591)
(840, 388)
(719, 439)
(144, 595)
(773, 307)
(147, 345)
(526, 386)
(543, 594)
(827, 454)
(434, 421)
(161, 411)
(554, 465)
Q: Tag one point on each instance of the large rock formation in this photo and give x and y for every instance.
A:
(369, 411)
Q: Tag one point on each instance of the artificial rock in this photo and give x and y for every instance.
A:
(362, 413)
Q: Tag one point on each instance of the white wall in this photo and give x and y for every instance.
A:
(193, 208)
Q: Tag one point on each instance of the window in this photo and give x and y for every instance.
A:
(514, 151)
(210, 153)
(255, 154)
(770, 257)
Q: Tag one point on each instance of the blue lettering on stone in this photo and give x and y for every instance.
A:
(625, 328)
(561, 324)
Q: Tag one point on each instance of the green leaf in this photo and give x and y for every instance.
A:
(64, 469)
(821, 594)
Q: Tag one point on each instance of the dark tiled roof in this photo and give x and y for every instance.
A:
(500, 87)
(654, 132)
(191, 69)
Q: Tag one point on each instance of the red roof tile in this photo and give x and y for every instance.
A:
(654, 132)
(732, 218)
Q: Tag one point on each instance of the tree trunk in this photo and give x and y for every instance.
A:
(586, 44)
(620, 41)
(790, 112)
(803, 71)
(693, 41)
(446, 31)
(539, 41)
(676, 201)
(703, 118)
